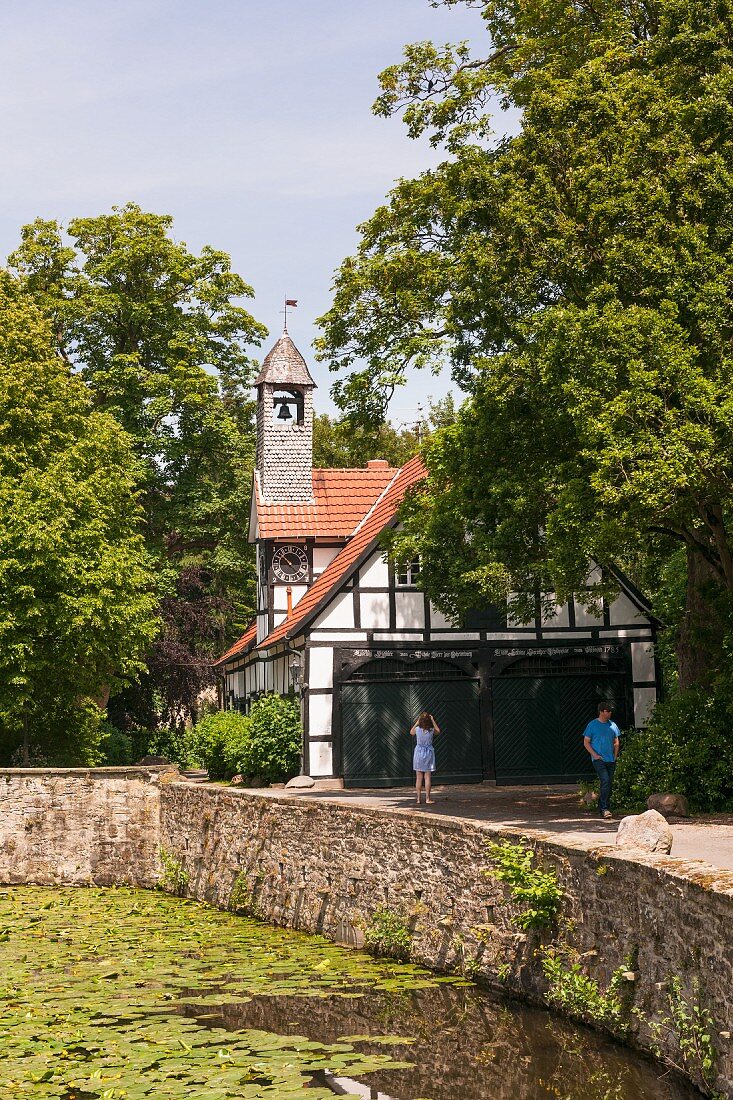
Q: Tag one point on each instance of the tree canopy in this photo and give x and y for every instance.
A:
(78, 600)
(578, 278)
(159, 337)
(350, 442)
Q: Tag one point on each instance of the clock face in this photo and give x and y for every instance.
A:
(290, 563)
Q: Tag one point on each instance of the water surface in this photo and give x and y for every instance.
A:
(121, 994)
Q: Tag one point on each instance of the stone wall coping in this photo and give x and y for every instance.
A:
(697, 873)
(131, 771)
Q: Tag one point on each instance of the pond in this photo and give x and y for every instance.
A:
(119, 994)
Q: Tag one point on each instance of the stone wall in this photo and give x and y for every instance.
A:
(73, 826)
(325, 867)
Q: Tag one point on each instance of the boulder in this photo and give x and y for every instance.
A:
(666, 804)
(300, 782)
(237, 781)
(152, 762)
(648, 831)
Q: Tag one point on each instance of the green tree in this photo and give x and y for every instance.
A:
(578, 278)
(156, 333)
(348, 443)
(78, 598)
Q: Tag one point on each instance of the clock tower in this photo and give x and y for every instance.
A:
(285, 426)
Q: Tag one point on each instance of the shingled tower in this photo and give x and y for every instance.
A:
(285, 425)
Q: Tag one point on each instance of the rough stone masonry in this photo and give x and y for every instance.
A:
(324, 867)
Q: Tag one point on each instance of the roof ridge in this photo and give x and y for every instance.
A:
(333, 575)
(386, 489)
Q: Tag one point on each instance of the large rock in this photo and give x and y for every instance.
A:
(648, 831)
(301, 782)
(666, 804)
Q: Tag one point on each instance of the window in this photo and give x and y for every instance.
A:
(406, 573)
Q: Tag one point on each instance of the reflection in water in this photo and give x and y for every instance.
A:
(462, 1043)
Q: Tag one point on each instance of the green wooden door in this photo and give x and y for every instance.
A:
(376, 717)
(538, 723)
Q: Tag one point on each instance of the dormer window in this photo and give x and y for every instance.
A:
(287, 407)
(406, 573)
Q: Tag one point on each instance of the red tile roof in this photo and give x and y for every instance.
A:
(373, 524)
(342, 499)
(244, 644)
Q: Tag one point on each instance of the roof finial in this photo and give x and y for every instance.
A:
(292, 302)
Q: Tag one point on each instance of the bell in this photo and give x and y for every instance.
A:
(284, 412)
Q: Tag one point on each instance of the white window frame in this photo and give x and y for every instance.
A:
(406, 573)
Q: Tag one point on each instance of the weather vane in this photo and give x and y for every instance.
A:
(292, 302)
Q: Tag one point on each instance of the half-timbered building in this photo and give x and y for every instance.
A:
(353, 635)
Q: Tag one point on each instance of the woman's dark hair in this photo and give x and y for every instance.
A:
(425, 721)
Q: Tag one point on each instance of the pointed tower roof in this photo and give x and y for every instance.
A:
(284, 365)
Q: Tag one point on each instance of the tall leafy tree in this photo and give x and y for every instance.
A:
(159, 337)
(78, 599)
(579, 279)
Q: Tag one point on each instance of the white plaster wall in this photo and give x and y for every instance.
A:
(280, 595)
(339, 613)
(282, 676)
(585, 617)
(558, 617)
(409, 610)
(375, 573)
(319, 715)
(323, 556)
(623, 612)
(438, 620)
(320, 674)
(261, 627)
(331, 635)
(595, 576)
(639, 633)
(278, 617)
(548, 635)
(397, 636)
(510, 618)
(642, 661)
(644, 700)
(321, 758)
(374, 609)
(455, 636)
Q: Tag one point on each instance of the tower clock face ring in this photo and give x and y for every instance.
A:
(290, 563)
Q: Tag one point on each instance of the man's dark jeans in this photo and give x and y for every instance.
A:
(605, 771)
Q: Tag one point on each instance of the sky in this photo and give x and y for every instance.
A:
(247, 120)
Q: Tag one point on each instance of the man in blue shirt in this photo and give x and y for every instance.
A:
(601, 740)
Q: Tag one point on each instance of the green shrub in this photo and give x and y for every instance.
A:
(270, 749)
(387, 934)
(538, 892)
(574, 992)
(116, 747)
(210, 740)
(686, 749)
(264, 744)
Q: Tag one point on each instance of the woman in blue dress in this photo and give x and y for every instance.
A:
(423, 758)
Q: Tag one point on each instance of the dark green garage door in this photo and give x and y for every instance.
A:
(540, 709)
(376, 717)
